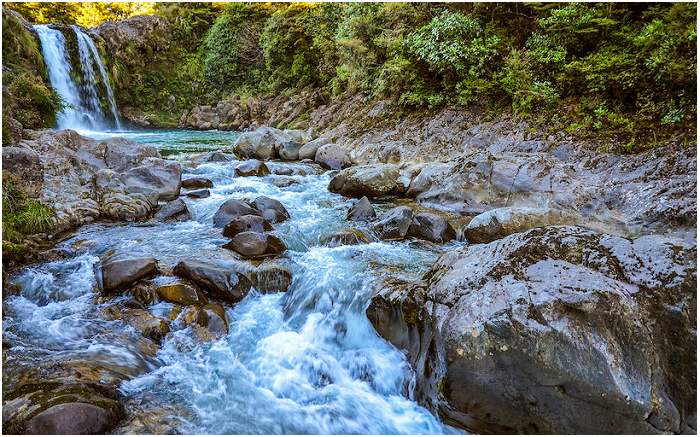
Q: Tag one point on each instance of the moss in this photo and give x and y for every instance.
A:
(410, 319)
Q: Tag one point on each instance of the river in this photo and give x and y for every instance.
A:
(302, 362)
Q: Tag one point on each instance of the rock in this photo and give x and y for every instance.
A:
(116, 276)
(270, 209)
(393, 224)
(121, 154)
(555, 330)
(284, 182)
(144, 293)
(198, 194)
(72, 418)
(308, 150)
(252, 245)
(175, 210)
(150, 326)
(214, 157)
(120, 202)
(344, 238)
(431, 227)
(252, 168)
(196, 183)
(271, 277)
(179, 293)
(26, 164)
(231, 209)
(366, 180)
(363, 210)
(261, 143)
(501, 222)
(218, 282)
(332, 157)
(214, 318)
(284, 171)
(158, 174)
(289, 151)
(246, 223)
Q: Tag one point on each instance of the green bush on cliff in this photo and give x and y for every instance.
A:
(20, 216)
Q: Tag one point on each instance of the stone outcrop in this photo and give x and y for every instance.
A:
(501, 222)
(556, 330)
(367, 180)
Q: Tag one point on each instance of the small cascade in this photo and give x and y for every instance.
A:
(90, 106)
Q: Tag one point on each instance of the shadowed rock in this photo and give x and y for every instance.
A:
(393, 224)
(252, 168)
(252, 245)
(231, 209)
(118, 275)
(431, 227)
(218, 282)
(362, 211)
(196, 183)
(246, 223)
(175, 210)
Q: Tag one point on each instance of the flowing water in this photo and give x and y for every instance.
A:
(302, 362)
(87, 107)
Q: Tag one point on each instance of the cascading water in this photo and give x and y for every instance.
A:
(86, 104)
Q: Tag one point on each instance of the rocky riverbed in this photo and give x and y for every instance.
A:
(519, 284)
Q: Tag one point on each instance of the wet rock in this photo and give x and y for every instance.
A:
(289, 151)
(157, 174)
(26, 164)
(198, 194)
(196, 183)
(251, 245)
(117, 275)
(394, 224)
(332, 157)
(144, 293)
(362, 210)
(231, 209)
(214, 318)
(344, 238)
(271, 277)
(214, 157)
(150, 326)
(501, 222)
(175, 210)
(366, 180)
(246, 223)
(308, 150)
(271, 209)
(284, 171)
(218, 282)
(252, 168)
(284, 182)
(179, 293)
(71, 418)
(580, 332)
(261, 143)
(431, 227)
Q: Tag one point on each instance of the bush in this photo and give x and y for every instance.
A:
(20, 215)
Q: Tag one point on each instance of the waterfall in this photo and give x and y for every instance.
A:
(88, 108)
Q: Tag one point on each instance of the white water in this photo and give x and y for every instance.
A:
(78, 85)
(303, 362)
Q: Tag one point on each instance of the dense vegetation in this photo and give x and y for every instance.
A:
(86, 14)
(20, 215)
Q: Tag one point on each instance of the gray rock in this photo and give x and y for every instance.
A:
(121, 154)
(219, 282)
(196, 183)
(251, 245)
(261, 143)
(214, 157)
(252, 168)
(431, 227)
(71, 418)
(344, 238)
(289, 151)
(271, 277)
(308, 150)
(270, 209)
(231, 209)
(117, 275)
(556, 330)
(158, 174)
(332, 157)
(198, 194)
(501, 222)
(393, 224)
(214, 318)
(367, 180)
(26, 164)
(246, 223)
(362, 210)
(175, 210)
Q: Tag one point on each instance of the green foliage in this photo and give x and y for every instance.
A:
(86, 14)
(20, 215)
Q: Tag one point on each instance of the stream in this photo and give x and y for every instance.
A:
(307, 361)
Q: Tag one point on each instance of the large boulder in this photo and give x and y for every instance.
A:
(362, 210)
(246, 223)
(556, 330)
(372, 180)
(501, 222)
(289, 150)
(393, 224)
(252, 245)
(251, 167)
(26, 164)
(333, 157)
(431, 227)
(308, 150)
(155, 174)
(222, 283)
(261, 143)
(271, 209)
(175, 210)
(72, 418)
(121, 154)
(231, 209)
(114, 276)
(121, 202)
